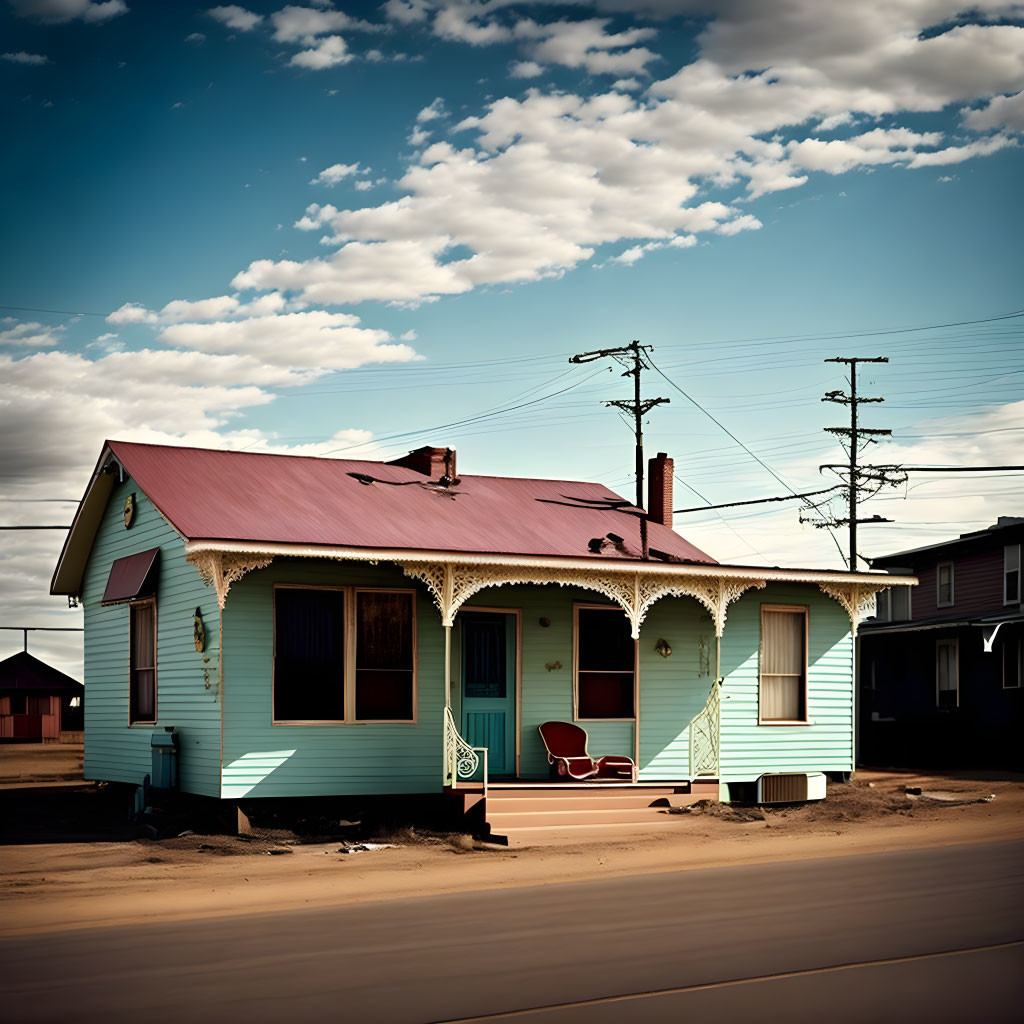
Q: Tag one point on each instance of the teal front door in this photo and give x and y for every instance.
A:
(489, 686)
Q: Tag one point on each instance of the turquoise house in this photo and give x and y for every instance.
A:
(323, 627)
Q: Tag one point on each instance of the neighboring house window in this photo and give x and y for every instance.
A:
(309, 655)
(384, 656)
(1013, 663)
(344, 655)
(883, 606)
(944, 585)
(142, 657)
(1011, 574)
(899, 603)
(605, 664)
(783, 664)
(947, 685)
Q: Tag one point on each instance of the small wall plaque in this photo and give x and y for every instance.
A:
(129, 510)
(199, 631)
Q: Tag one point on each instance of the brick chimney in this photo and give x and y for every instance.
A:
(433, 463)
(659, 490)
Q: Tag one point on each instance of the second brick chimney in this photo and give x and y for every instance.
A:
(659, 489)
(433, 463)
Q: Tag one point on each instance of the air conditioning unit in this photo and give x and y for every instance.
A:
(790, 789)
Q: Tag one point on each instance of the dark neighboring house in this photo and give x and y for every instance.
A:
(37, 702)
(942, 666)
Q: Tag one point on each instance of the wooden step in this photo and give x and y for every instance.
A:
(551, 835)
(528, 819)
(610, 802)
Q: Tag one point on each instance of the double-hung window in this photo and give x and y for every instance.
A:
(605, 663)
(783, 664)
(944, 585)
(142, 662)
(1011, 574)
(947, 675)
(344, 654)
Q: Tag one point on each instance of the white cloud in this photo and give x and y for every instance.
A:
(132, 313)
(410, 335)
(235, 17)
(525, 69)
(626, 84)
(304, 24)
(58, 11)
(336, 172)
(432, 111)
(21, 57)
(1005, 112)
(195, 37)
(329, 52)
(30, 334)
(312, 340)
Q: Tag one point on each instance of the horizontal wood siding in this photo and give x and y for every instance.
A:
(116, 751)
(673, 690)
(748, 749)
(977, 586)
(266, 760)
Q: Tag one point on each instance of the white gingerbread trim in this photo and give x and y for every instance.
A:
(219, 569)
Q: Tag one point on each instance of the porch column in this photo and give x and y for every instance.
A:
(447, 666)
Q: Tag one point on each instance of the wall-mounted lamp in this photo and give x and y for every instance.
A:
(663, 648)
(544, 622)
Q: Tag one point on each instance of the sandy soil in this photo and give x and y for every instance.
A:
(24, 764)
(49, 883)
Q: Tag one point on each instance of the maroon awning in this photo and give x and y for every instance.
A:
(132, 576)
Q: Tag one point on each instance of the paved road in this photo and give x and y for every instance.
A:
(935, 935)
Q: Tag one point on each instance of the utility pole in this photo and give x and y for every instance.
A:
(630, 356)
(857, 475)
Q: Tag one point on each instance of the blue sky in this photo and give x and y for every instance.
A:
(310, 228)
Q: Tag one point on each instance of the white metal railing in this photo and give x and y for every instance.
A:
(461, 761)
(704, 735)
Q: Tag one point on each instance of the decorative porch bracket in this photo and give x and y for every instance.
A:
(220, 569)
(858, 599)
(635, 592)
(461, 760)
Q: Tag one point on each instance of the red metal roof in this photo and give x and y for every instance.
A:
(286, 499)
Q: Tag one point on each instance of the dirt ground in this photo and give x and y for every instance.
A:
(70, 859)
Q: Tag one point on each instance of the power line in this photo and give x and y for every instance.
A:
(757, 501)
(724, 428)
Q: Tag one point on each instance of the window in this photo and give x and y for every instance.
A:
(899, 603)
(309, 655)
(783, 664)
(605, 663)
(1013, 662)
(384, 659)
(947, 686)
(944, 585)
(1011, 574)
(344, 655)
(883, 606)
(142, 660)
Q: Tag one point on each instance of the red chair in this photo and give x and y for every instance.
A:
(566, 745)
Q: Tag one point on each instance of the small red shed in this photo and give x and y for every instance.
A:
(37, 702)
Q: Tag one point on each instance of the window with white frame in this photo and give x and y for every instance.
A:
(1013, 661)
(344, 654)
(944, 585)
(605, 664)
(947, 682)
(783, 664)
(1011, 574)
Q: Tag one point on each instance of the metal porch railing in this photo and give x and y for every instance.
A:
(704, 735)
(461, 761)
